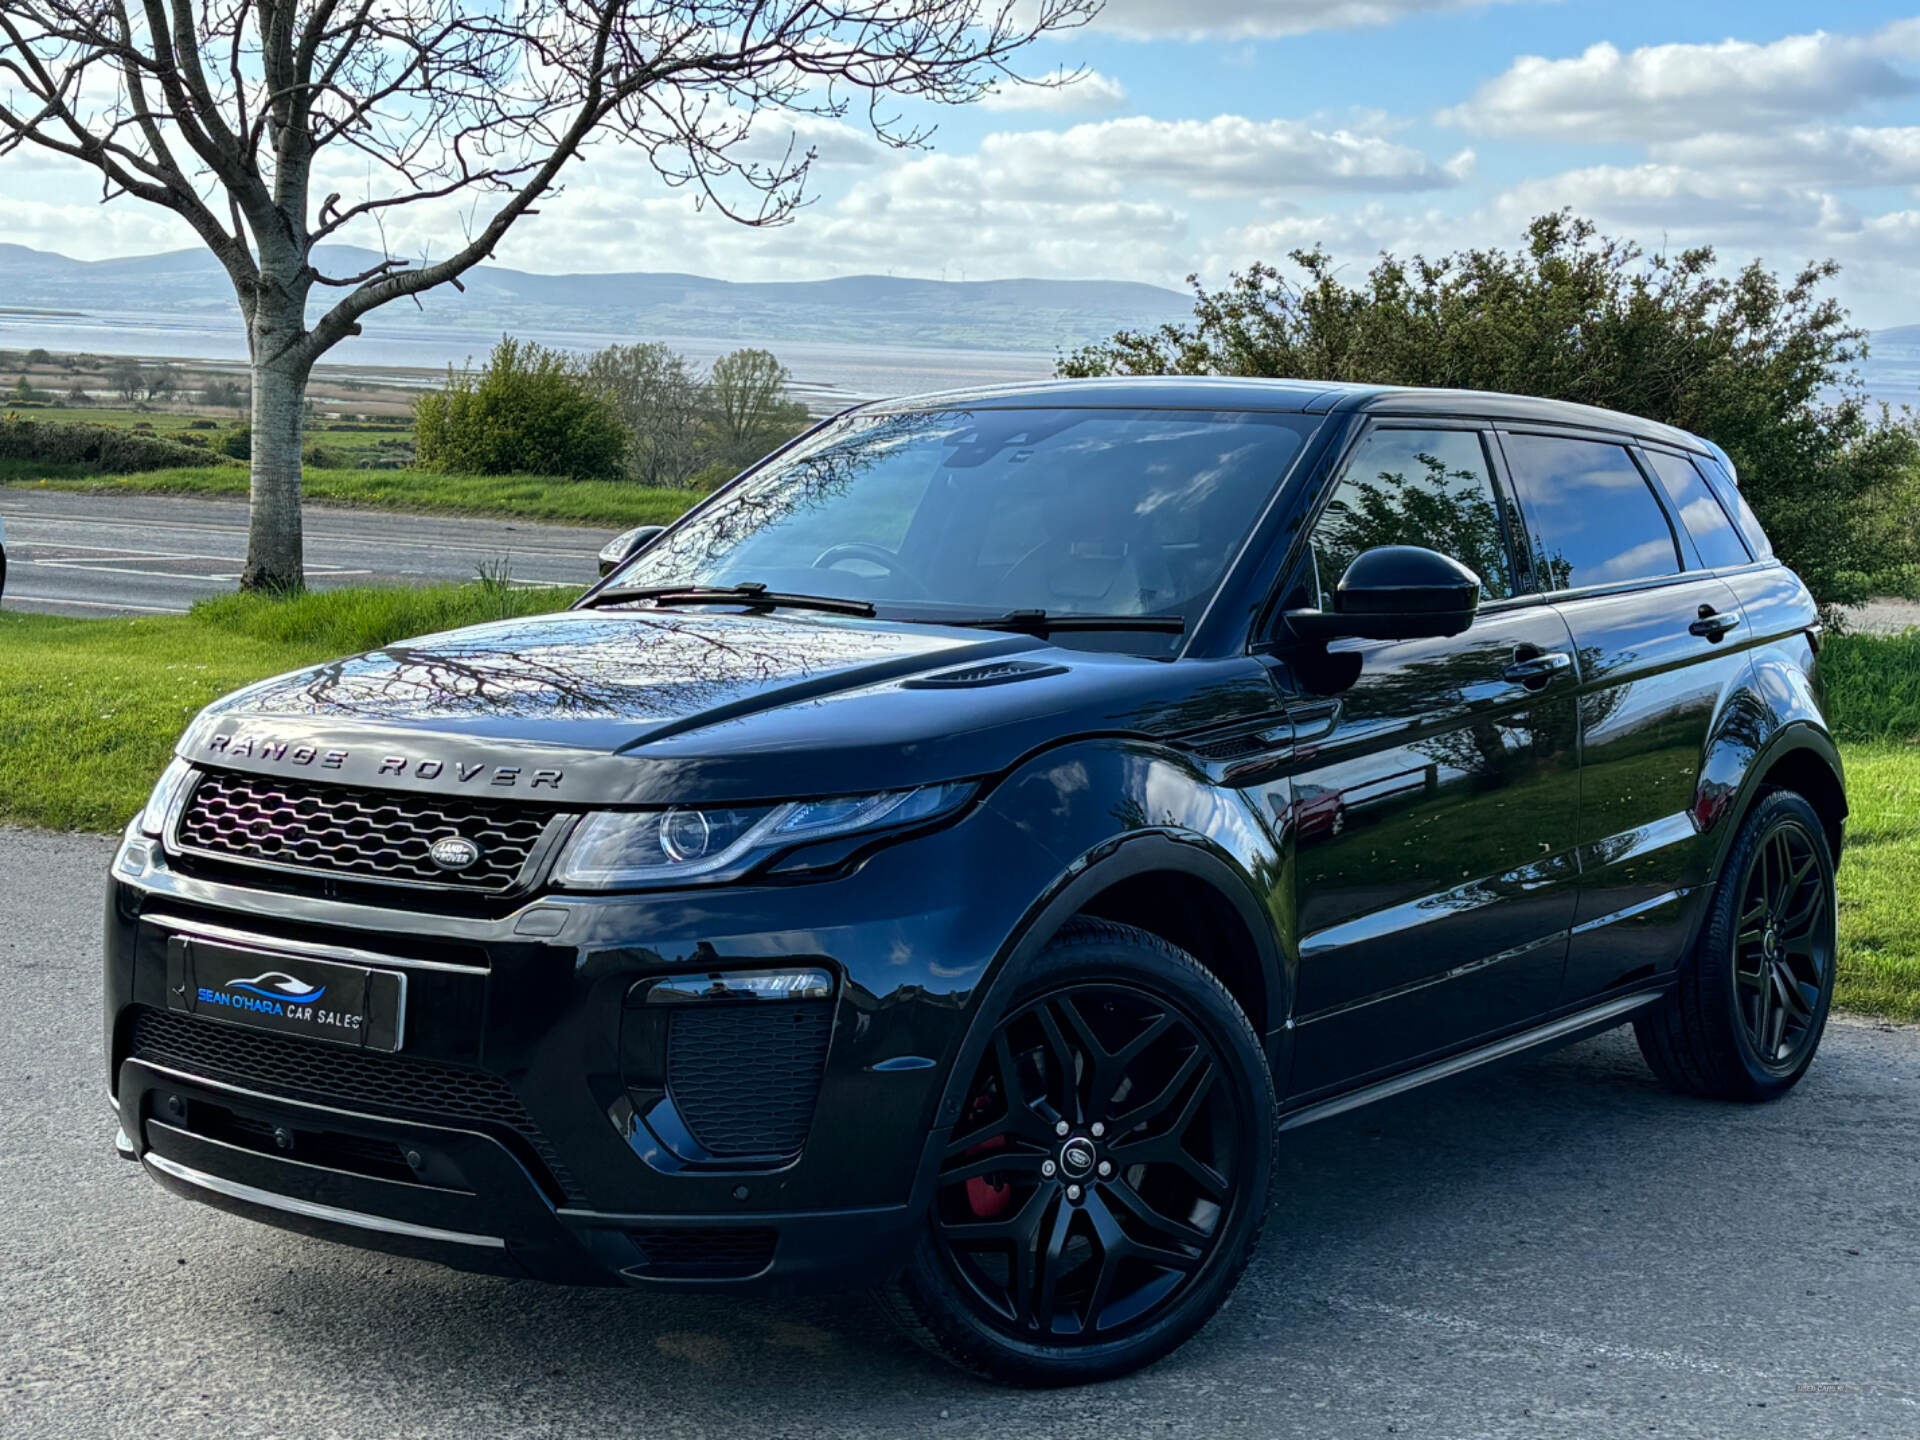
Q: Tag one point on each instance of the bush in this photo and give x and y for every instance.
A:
(322, 457)
(203, 425)
(1758, 364)
(529, 412)
(238, 442)
(97, 447)
(199, 442)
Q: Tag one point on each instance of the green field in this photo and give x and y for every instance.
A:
(89, 710)
(611, 504)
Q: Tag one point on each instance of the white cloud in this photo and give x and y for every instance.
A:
(1226, 155)
(1834, 156)
(1672, 91)
(1090, 91)
(1254, 19)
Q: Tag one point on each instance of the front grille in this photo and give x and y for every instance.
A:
(381, 834)
(745, 1078)
(704, 1254)
(402, 1086)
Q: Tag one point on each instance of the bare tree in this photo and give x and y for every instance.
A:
(659, 398)
(236, 114)
(127, 378)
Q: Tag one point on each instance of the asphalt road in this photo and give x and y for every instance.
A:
(149, 554)
(1556, 1249)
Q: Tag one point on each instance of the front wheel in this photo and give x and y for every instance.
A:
(1108, 1176)
(1752, 997)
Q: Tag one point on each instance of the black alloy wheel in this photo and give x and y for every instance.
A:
(1783, 948)
(1101, 1189)
(1750, 1000)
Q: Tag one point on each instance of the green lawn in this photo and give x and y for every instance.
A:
(608, 504)
(89, 710)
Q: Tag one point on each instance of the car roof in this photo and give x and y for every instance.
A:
(1311, 397)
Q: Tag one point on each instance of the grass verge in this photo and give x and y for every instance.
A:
(605, 503)
(89, 709)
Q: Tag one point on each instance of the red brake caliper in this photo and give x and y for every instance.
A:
(987, 1195)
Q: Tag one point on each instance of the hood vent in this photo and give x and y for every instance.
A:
(993, 672)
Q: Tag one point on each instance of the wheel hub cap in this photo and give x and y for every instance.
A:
(1076, 1159)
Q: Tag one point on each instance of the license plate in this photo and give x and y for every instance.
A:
(292, 994)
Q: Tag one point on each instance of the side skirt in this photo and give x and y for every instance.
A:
(1564, 1031)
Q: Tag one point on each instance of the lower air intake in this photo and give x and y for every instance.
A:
(745, 1078)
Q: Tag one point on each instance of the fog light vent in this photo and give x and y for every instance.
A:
(746, 1078)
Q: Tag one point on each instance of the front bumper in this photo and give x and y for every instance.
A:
(511, 1135)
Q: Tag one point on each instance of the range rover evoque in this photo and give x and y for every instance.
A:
(949, 857)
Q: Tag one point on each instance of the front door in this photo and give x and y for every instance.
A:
(1434, 800)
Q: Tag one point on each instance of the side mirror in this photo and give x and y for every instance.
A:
(627, 544)
(1394, 592)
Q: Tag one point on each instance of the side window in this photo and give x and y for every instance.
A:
(1414, 487)
(1737, 507)
(1706, 522)
(1589, 512)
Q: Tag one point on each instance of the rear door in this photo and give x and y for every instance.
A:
(1658, 640)
(1435, 792)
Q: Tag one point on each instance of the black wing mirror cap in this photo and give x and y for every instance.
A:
(1394, 592)
(627, 544)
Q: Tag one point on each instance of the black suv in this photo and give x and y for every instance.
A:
(949, 857)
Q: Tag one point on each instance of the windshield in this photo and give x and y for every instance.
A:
(956, 515)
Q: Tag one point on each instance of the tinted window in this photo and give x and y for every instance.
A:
(1737, 507)
(1706, 522)
(1414, 487)
(1592, 518)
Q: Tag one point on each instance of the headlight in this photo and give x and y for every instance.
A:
(173, 779)
(614, 850)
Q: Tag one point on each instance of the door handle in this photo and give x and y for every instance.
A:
(1538, 668)
(1712, 625)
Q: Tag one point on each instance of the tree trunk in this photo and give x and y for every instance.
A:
(274, 542)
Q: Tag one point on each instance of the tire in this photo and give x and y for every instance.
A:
(1746, 1016)
(1123, 1266)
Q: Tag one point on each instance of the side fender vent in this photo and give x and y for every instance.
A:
(974, 677)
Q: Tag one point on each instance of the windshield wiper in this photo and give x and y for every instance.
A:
(1040, 622)
(751, 594)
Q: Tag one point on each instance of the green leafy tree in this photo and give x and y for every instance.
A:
(1759, 364)
(528, 412)
(748, 410)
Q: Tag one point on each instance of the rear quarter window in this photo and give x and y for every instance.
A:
(1737, 507)
(1591, 517)
(1706, 521)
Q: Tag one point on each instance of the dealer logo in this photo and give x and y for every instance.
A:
(456, 852)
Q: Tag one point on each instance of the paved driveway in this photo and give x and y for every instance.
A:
(156, 554)
(1556, 1249)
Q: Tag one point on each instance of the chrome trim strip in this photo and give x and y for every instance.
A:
(1472, 1059)
(312, 1210)
(1632, 910)
(251, 940)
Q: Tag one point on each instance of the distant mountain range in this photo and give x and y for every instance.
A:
(879, 310)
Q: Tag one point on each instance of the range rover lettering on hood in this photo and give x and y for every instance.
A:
(294, 753)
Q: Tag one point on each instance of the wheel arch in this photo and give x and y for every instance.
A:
(1802, 757)
(1123, 880)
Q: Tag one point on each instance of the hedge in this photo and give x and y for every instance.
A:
(100, 447)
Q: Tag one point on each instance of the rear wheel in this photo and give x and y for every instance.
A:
(1751, 1004)
(1108, 1176)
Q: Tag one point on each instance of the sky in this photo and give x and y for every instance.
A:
(1207, 134)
